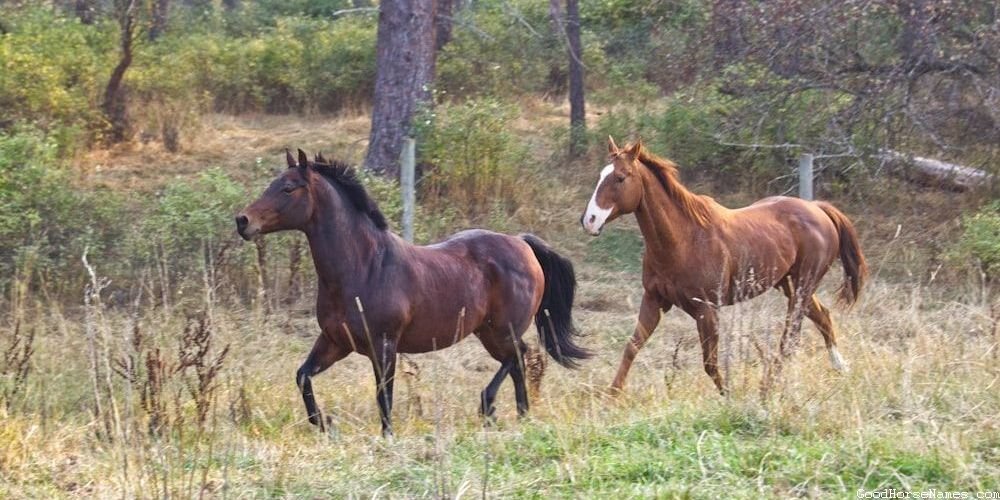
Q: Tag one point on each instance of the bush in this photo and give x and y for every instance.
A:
(476, 163)
(300, 64)
(42, 214)
(53, 71)
(980, 239)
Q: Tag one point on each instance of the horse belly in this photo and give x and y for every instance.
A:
(434, 328)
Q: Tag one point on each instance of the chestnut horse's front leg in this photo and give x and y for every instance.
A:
(324, 353)
(649, 317)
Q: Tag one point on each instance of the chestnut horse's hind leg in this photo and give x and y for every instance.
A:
(324, 353)
(649, 318)
(820, 317)
(708, 332)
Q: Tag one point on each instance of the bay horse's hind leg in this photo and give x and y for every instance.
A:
(509, 351)
(324, 354)
(820, 317)
(489, 394)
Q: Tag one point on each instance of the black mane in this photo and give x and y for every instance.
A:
(341, 175)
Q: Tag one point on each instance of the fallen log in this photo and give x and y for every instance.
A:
(935, 172)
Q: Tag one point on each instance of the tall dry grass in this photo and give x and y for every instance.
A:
(919, 407)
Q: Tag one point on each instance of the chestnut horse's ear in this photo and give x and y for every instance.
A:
(637, 148)
(303, 159)
(612, 147)
(289, 159)
(320, 159)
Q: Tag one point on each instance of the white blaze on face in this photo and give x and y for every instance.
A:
(595, 216)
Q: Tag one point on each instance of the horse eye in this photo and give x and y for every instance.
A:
(288, 189)
(620, 178)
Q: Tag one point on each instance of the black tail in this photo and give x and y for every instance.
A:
(554, 318)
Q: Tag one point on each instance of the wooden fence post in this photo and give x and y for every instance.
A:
(806, 176)
(407, 173)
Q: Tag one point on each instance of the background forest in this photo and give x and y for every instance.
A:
(147, 351)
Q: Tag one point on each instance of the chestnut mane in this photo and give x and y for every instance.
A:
(698, 207)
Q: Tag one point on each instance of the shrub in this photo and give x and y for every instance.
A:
(476, 163)
(41, 212)
(981, 239)
(53, 70)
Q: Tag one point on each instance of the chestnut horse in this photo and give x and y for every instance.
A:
(700, 256)
(379, 295)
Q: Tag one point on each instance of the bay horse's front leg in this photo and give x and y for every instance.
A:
(384, 363)
(649, 318)
(324, 354)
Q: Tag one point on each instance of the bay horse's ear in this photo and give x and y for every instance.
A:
(303, 159)
(289, 159)
(612, 147)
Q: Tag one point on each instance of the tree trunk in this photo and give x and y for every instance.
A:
(443, 23)
(577, 116)
(557, 73)
(85, 11)
(114, 105)
(161, 9)
(404, 71)
(726, 37)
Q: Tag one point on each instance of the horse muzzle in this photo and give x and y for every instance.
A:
(244, 228)
(589, 225)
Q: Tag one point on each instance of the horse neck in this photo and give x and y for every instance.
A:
(344, 243)
(666, 226)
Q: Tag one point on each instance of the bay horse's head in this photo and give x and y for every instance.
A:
(286, 204)
(619, 189)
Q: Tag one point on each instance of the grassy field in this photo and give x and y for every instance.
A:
(918, 410)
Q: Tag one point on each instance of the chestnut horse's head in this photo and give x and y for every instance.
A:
(286, 204)
(618, 190)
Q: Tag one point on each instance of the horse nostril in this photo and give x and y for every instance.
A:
(593, 218)
(241, 222)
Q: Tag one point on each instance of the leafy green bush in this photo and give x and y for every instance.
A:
(981, 238)
(188, 214)
(475, 161)
(299, 64)
(42, 214)
(53, 69)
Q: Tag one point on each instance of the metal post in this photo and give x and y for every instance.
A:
(408, 160)
(806, 176)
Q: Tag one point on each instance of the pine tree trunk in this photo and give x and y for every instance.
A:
(577, 114)
(85, 11)
(161, 9)
(404, 71)
(443, 23)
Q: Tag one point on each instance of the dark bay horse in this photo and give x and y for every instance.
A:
(379, 295)
(700, 256)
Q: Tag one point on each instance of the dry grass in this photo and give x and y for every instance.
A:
(919, 408)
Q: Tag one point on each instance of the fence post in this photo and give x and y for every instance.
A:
(806, 176)
(408, 160)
